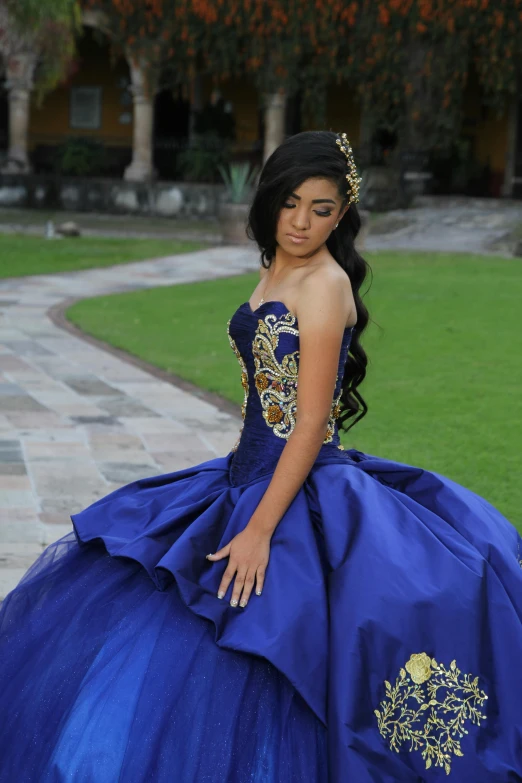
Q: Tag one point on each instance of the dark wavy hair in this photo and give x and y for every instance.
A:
(298, 158)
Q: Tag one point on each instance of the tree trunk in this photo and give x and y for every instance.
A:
(19, 83)
(141, 169)
(274, 108)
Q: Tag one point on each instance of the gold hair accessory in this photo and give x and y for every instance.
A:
(353, 180)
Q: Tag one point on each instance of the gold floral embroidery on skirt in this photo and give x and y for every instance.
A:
(276, 382)
(428, 708)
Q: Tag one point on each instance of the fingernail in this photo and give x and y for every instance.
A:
(221, 594)
(233, 602)
(207, 556)
(258, 592)
(243, 602)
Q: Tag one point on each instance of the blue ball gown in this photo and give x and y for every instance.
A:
(386, 646)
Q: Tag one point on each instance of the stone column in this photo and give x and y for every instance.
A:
(19, 83)
(275, 110)
(141, 169)
(511, 147)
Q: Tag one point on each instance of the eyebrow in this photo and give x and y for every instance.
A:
(315, 200)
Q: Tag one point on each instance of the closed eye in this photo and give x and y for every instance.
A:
(321, 214)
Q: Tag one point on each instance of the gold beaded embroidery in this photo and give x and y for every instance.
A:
(276, 382)
(414, 693)
(244, 382)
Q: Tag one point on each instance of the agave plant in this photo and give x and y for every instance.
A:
(238, 179)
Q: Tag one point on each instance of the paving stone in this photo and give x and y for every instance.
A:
(163, 425)
(48, 518)
(26, 348)
(173, 442)
(64, 504)
(15, 482)
(91, 386)
(12, 498)
(220, 443)
(105, 421)
(13, 364)
(10, 456)
(120, 440)
(79, 415)
(170, 461)
(126, 406)
(138, 457)
(12, 469)
(35, 450)
(19, 555)
(9, 445)
(182, 460)
(14, 532)
(11, 389)
(20, 403)
(9, 578)
(54, 533)
(29, 420)
(70, 477)
(78, 410)
(125, 472)
(69, 434)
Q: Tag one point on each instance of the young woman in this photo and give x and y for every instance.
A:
(292, 612)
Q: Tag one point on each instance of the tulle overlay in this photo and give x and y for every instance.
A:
(385, 647)
(104, 678)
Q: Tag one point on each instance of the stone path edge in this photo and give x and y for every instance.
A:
(57, 314)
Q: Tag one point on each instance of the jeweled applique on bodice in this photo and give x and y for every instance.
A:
(266, 343)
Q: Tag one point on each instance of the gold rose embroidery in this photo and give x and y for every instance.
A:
(414, 711)
(244, 382)
(276, 382)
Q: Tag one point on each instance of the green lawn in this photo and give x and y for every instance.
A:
(22, 255)
(445, 375)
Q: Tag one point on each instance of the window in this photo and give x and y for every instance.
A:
(85, 107)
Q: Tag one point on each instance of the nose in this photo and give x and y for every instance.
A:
(300, 221)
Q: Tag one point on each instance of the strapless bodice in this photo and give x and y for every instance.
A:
(266, 343)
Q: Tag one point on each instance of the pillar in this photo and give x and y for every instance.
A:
(19, 84)
(140, 168)
(275, 112)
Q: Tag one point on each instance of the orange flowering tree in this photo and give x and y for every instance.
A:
(411, 61)
(408, 60)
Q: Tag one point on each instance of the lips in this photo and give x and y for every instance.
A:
(296, 236)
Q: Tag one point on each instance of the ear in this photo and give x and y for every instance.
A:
(343, 213)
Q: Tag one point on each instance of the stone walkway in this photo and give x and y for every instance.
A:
(449, 223)
(77, 422)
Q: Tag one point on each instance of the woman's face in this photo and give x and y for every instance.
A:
(310, 213)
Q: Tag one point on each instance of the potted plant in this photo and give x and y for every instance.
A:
(233, 210)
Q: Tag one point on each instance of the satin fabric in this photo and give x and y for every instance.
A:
(376, 568)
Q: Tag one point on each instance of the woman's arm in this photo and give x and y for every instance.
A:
(324, 307)
(322, 315)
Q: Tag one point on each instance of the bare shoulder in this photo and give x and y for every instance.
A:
(262, 271)
(325, 296)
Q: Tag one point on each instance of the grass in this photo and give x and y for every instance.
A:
(27, 255)
(444, 378)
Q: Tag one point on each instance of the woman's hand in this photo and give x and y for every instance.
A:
(249, 553)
